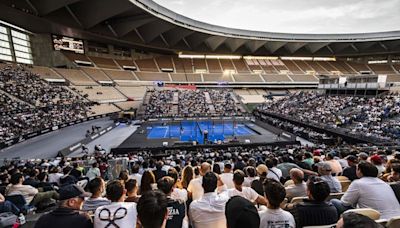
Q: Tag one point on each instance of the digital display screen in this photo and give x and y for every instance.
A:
(68, 44)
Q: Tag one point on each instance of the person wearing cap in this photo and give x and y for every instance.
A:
(369, 192)
(350, 171)
(239, 212)
(68, 212)
(274, 216)
(245, 192)
(325, 172)
(118, 213)
(257, 185)
(362, 156)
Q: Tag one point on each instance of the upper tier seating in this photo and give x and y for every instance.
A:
(317, 67)
(183, 65)
(358, 66)
(213, 66)
(146, 65)
(45, 72)
(147, 76)
(327, 66)
(199, 64)
(226, 64)
(303, 66)
(96, 74)
(393, 78)
(124, 62)
(276, 78)
(253, 65)
(217, 78)
(267, 66)
(342, 67)
(120, 74)
(382, 68)
(76, 77)
(240, 66)
(127, 105)
(292, 67)
(279, 65)
(104, 62)
(247, 78)
(164, 62)
(303, 78)
(73, 56)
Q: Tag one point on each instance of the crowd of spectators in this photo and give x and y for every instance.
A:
(238, 186)
(368, 116)
(191, 103)
(40, 104)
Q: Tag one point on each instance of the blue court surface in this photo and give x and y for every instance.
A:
(194, 130)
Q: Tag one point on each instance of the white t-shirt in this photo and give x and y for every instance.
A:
(179, 194)
(137, 177)
(116, 211)
(247, 193)
(195, 188)
(227, 179)
(276, 218)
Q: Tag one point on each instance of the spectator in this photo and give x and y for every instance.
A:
(55, 175)
(324, 170)
(355, 220)
(32, 195)
(187, 176)
(148, 182)
(336, 167)
(118, 213)
(68, 212)
(240, 212)
(251, 175)
(376, 160)
(177, 194)
(369, 192)
(96, 186)
(152, 209)
(209, 210)
(131, 191)
(274, 216)
(76, 171)
(159, 172)
(315, 211)
(176, 208)
(299, 187)
(350, 171)
(245, 192)
(195, 188)
(273, 171)
(93, 172)
(257, 185)
(227, 176)
(135, 174)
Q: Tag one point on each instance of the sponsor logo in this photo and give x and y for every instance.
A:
(72, 148)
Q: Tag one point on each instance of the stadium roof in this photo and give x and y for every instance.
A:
(147, 25)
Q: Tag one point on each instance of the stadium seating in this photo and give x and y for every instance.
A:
(75, 76)
(217, 78)
(227, 64)
(369, 212)
(45, 72)
(247, 78)
(213, 65)
(103, 109)
(183, 65)
(136, 92)
(147, 65)
(165, 63)
(303, 78)
(199, 65)
(127, 105)
(126, 63)
(291, 65)
(381, 68)
(240, 66)
(96, 74)
(276, 78)
(100, 93)
(104, 62)
(186, 77)
(156, 76)
(120, 74)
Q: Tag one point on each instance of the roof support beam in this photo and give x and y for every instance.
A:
(74, 16)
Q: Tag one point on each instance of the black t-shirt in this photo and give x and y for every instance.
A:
(350, 172)
(176, 213)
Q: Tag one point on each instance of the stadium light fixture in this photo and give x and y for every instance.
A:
(377, 61)
(183, 56)
(324, 59)
(223, 57)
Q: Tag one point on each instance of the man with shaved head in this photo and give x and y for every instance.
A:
(195, 186)
(299, 188)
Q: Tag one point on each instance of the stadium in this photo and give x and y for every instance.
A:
(125, 113)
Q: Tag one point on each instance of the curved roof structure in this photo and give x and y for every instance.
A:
(147, 25)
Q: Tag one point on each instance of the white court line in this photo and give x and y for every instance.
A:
(166, 131)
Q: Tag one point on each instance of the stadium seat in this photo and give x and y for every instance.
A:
(345, 185)
(393, 222)
(337, 195)
(19, 201)
(288, 183)
(298, 200)
(369, 212)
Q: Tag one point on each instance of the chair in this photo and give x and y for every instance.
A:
(322, 226)
(369, 212)
(342, 178)
(288, 183)
(393, 222)
(337, 195)
(20, 202)
(345, 185)
(297, 199)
